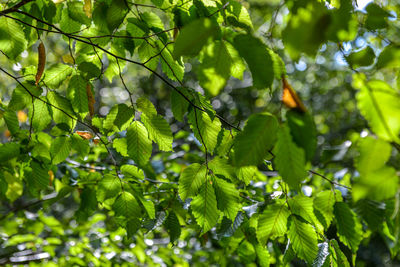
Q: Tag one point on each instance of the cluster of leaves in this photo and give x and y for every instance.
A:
(223, 192)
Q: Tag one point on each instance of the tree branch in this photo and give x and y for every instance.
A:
(14, 8)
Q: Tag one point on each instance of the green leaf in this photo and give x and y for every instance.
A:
(205, 129)
(257, 138)
(303, 131)
(39, 177)
(179, 104)
(362, 58)
(237, 15)
(116, 13)
(41, 116)
(372, 212)
(374, 153)
(380, 105)
(221, 166)
(132, 171)
(246, 252)
(348, 226)
(303, 207)
(263, 256)
(204, 207)
(227, 197)
(214, 70)
(20, 98)
(272, 222)
(376, 18)
(191, 180)
(9, 151)
(337, 257)
(389, 57)
(323, 204)
(119, 118)
(149, 55)
(173, 227)
(60, 149)
(174, 69)
(306, 29)
(194, 36)
(108, 187)
(78, 95)
(159, 131)
(145, 106)
(11, 120)
(289, 159)
(237, 64)
(80, 145)
(246, 173)
(60, 108)
(120, 145)
(15, 186)
(303, 239)
(12, 38)
(88, 204)
(378, 185)
(258, 59)
(138, 144)
(126, 205)
(56, 75)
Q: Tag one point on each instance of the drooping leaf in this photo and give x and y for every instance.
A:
(303, 207)
(289, 159)
(138, 144)
(12, 39)
(227, 197)
(205, 129)
(39, 115)
(126, 205)
(108, 187)
(263, 256)
(372, 212)
(303, 131)
(303, 239)
(204, 208)
(257, 138)
(179, 104)
(78, 95)
(379, 104)
(272, 222)
(159, 131)
(257, 58)
(56, 75)
(173, 227)
(191, 180)
(60, 149)
(348, 226)
(323, 204)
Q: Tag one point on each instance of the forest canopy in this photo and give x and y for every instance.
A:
(199, 133)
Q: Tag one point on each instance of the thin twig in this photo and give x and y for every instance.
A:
(329, 180)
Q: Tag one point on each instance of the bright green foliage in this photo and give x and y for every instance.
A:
(303, 239)
(257, 58)
(126, 205)
(253, 144)
(191, 180)
(138, 144)
(379, 103)
(272, 222)
(194, 36)
(12, 40)
(204, 207)
(287, 153)
(161, 133)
